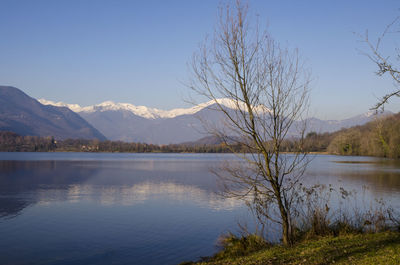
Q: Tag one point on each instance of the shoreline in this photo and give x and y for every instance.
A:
(365, 248)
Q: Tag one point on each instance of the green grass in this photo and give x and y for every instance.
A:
(379, 248)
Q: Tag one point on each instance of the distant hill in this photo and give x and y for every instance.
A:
(24, 115)
(322, 126)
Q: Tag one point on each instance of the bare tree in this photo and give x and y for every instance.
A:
(386, 64)
(262, 90)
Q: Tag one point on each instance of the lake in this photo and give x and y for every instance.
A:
(103, 208)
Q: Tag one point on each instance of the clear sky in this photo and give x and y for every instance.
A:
(87, 52)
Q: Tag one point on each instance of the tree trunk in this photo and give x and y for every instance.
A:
(285, 232)
(286, 237)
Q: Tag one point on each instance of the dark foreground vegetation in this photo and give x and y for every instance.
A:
(379, 138)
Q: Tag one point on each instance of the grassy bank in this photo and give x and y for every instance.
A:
(369, 248)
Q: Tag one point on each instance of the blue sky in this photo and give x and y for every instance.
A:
(87, 52)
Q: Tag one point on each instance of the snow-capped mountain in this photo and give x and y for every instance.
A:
(127, 122)
(130, 123)
(142, 111)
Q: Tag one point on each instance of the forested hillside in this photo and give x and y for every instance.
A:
(377, 138)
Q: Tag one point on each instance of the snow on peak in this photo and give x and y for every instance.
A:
(110, 105)
(73, 107)
(145, 112)
(232, 104)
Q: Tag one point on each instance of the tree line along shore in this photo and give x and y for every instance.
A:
(380, 138)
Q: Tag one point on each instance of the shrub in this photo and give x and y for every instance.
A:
(234, 246)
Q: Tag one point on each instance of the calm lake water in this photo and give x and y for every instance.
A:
(85, 208)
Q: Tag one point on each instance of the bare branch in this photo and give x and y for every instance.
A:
(385, 63)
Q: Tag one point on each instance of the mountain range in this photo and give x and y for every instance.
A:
(24, 115)
(130, 123)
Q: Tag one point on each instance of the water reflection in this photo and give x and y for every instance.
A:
(23, 183)
(136, 208)
(139, 193)
(129, 182)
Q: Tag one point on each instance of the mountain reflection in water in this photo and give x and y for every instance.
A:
(23, 183)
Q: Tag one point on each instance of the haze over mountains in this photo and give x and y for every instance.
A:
(127, 122)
